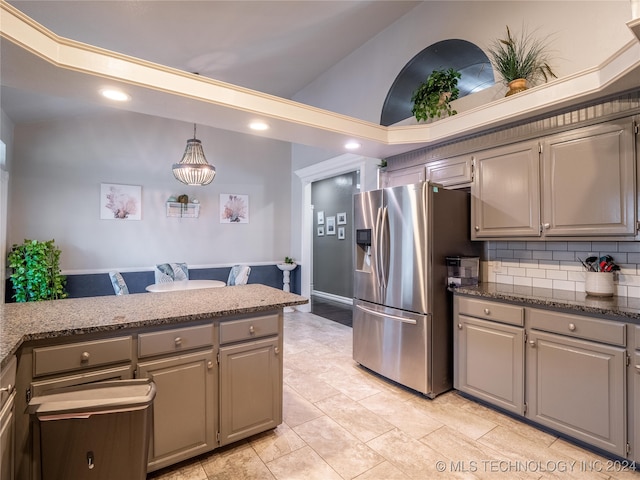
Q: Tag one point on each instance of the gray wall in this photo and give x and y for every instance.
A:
(332, 258)
(58, 167)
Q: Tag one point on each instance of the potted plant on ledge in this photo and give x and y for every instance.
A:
(36, 271)
(521, 61)
(432, 98)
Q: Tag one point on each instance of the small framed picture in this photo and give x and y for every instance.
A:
(340, 233)
(321, 231)
(342, 218)
(320, 218)
(331, 225)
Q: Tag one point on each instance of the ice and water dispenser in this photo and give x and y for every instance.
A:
(462, 271)
(363, 250)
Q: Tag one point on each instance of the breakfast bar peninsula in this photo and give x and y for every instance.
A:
(215, 356)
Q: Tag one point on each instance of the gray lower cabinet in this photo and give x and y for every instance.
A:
(7, 420)
(489, 352)
(184, 409)
(635, 396)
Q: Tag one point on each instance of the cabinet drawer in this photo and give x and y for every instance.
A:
(603, 331)
(498, 312)
(637, 330)
(175, 340)
(76, 356)
(247, 329)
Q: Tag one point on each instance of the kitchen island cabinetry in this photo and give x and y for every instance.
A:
(575, 383)
(250, 376)
(7, 419)
(574, 184)
(489, 352)
(184, 409)
(634, 396)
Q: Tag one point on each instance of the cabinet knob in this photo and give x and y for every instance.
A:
(546, 226)
(572, 327)
(637, 368)
(251, 329)
(209, 364)
(477, 228)
(459, 326)
(84, 357)
(177, 341)
(276, 350)
(532, 343)
(8, 389)
(487, 311)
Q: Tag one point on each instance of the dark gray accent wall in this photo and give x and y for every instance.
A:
(332, 257)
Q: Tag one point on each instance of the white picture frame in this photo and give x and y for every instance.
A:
(341, 233)
(120, 202)
(321, 231)
(342, 218)
(321, 218)
(234, 208)
(331, 225)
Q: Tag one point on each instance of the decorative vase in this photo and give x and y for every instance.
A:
(516, 86)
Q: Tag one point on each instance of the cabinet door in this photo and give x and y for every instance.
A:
(636, 407)
(7, 425)
(589, 181)
(250, 389)
(456, 171)
(405, 176)
(578, 387)
(489, 362)
(505, 194)
(184, 408)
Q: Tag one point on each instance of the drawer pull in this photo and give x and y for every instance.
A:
(532, 343)
(9, 388)
(572, 327)
(252, 330)
(84, 357)
(487, 311)
(178, 341)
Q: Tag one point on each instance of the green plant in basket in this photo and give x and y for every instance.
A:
(432, 98)
(36, 271)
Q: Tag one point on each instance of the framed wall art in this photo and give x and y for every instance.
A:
(340, 233)
(320, 218)
(342, 218)
(321, 231)
(234, 208)
(120, 202)
(331, 225)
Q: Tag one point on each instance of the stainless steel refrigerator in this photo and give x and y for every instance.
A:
(402, 319)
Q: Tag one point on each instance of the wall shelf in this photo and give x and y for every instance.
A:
(186, 210)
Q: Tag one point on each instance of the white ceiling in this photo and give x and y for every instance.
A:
(275, 47)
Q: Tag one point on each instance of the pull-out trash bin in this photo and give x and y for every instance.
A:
(98, 431)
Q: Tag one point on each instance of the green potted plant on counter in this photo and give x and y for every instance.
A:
(521, 61)
(36, 271)
(433, 97)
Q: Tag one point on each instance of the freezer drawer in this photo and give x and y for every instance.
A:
(392, 343)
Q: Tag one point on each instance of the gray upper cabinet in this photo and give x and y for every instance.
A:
(505, 198)
(405, 176)
(575, 184)
(588, 181)
(453, 172)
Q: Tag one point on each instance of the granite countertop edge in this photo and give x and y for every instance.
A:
(25, 322)
(619, 308)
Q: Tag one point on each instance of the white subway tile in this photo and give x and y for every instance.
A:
(571, 266)
(523, 281)
(529, 263)
(580, 287)
(501, 253)
(556, 245)
(536, 246)
(620, 258)
(510, 263)
(504, 279)
(629, 247)
(576, 276)
(571, 256)
(517, 246)
(557, 275)
(542, 255)
(579, 246)
(523, 254)
(633, 292)
(606, 247)
(564, 285)
(549, 264)
(517, 271)
(536, 273)
(542, 283)
(621, 290)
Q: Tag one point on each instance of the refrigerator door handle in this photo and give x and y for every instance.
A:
(378, 252)
(386, 315)
(384, 248)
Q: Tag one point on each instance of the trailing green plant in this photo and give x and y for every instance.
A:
(36, 271)
(289, 260)
(522, 56)
(432, 98)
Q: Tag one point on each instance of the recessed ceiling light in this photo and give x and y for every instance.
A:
(258, 125)
(352, 145)
(116, 95)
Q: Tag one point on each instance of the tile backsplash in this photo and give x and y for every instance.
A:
(556, 265)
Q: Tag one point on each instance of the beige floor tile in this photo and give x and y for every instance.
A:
(402, 414)
(340, 449)
(276, 443)
(182, 471)
(296, 409)
(351, 415)
(303, 464)
(236, 464)
(310, 387)
(383, 471)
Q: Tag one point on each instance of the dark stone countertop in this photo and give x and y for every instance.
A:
(625, 309)
(22, 322)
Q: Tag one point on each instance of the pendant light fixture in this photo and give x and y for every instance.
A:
(193, 169)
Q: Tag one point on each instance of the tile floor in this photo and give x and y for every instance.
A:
(342, 422)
